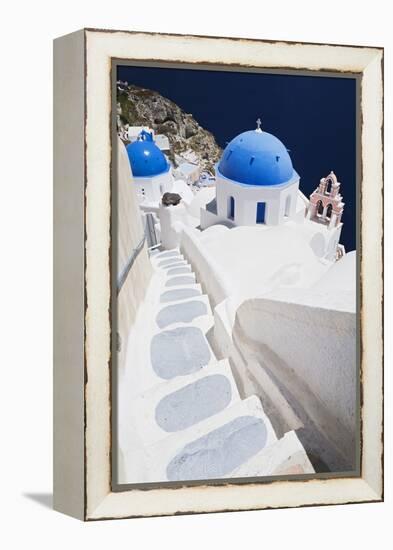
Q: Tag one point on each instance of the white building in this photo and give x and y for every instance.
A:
(189, 172)
(256, 182)
(162, 142)
(256, 185)
(152, 176)
(133, 132)
(151, 172)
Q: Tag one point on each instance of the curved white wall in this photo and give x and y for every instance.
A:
(280, 201)
(305, 341)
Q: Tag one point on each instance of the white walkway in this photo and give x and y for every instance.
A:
(180, 414)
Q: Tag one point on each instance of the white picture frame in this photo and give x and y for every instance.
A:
(82, 241)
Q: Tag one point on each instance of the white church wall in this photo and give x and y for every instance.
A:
(288, 201)
(249, 210)
(207, 219)
(152, 188)
(300, 207)
(246, 198)
(222, 196)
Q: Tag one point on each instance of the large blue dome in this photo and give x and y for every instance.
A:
(146, 158)
(256, 158)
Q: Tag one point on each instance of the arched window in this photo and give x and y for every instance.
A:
(287, 206)
(329, 211)
(231, 208)
(319, 208)
(261, 212)
(329, 183)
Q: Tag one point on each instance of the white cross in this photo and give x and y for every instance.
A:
(259, 122)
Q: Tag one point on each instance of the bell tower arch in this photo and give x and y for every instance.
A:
(326, 205)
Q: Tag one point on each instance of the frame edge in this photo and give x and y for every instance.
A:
(69, 276)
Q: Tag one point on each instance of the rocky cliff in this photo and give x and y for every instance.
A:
(141, 107)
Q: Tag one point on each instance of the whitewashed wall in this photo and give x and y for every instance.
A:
(154, 187)
(246, 198)
(130, 233)
(304, 342)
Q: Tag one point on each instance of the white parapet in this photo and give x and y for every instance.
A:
(172, 221)
(203, 264)
(306, 351)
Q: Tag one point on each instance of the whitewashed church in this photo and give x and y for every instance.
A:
(256, 184)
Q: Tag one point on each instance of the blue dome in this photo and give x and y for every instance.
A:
(146, 158)
(256, 158)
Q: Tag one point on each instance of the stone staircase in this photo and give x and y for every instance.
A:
(181, 414)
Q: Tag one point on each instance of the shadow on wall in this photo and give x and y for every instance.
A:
(307, 357)
(317, 244)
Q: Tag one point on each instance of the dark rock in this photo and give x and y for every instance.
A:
(141, 107)
(171, 199)
(168, 127)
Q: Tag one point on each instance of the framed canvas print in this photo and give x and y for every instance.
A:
(218, 274)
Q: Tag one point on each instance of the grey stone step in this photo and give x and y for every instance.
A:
(171, 262)
(184, 401)
(179, 351)
(211, 449)
(184, 312)
(180, 280)
(167, 254)
(181, 293)
(179, 270)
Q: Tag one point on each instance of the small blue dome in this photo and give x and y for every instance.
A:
(256, 158)
(146, 158)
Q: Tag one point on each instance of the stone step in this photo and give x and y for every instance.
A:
(182, 402)
(189, 312)
(180, 268)
(180, 293)
(178, 350)
(169, 263)
(160, 260)
(181, 280)
(211, 449)
(284, 457)
(165, 254)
